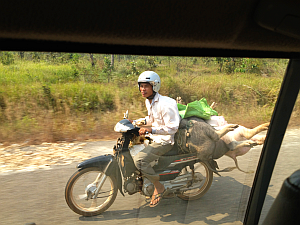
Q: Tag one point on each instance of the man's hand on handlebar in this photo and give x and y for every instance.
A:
(145, 130)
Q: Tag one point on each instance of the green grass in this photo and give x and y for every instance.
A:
(46, 101)
(24, 72)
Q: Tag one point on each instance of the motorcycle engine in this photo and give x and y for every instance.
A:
(133, 185)
(136, 184)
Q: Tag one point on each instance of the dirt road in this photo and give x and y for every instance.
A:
(38, 195)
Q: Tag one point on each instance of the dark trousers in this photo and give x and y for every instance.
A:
(152, 152)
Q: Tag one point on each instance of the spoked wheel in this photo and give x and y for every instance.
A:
(201, 184)
(81, 192)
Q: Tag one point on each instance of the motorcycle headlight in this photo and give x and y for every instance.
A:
(121, 128)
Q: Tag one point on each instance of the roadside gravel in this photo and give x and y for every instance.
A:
(18, 157)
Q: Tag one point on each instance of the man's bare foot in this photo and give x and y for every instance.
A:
(157, 194)
(156, 198)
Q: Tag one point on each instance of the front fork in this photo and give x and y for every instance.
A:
(99, 184)
(102, 177)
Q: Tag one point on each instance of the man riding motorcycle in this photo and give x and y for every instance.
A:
(93, 188)
(163, 116)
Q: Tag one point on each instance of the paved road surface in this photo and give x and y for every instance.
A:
(38, 196)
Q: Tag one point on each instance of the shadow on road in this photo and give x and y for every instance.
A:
(41, 200)
(225, 202)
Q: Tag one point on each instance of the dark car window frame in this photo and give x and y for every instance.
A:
(279, 121)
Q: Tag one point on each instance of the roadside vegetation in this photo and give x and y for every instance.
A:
(48, 97)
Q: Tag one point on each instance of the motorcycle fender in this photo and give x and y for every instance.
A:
(107, 164)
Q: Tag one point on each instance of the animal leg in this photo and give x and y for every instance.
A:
(226, 129)
(237, 166)
(259, 139)
(249, 133)
(212, 165)
(238, 144)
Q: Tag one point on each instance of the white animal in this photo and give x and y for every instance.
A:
(239, 134)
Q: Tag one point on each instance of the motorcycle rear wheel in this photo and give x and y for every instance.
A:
(207, 177)
(76, 192)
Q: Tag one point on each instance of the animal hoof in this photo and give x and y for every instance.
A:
(266, 126)
(233, 126)
(251, 143)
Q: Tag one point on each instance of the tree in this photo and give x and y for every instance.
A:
(107, 69)
(112, 61)
(92, 60)
(220, 61)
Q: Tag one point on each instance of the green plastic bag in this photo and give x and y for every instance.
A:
(197, 108)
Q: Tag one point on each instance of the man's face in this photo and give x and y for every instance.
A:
(146, 89)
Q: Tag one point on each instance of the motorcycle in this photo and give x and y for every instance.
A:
(94, 187)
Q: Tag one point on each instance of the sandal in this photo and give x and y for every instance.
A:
(160, 195)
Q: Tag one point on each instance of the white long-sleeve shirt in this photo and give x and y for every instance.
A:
(164, 118)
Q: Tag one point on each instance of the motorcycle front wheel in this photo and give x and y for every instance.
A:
(201, 184)
(80, 192)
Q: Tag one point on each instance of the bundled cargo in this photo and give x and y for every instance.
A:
(202, 131)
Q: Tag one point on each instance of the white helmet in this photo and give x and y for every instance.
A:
(150, 77)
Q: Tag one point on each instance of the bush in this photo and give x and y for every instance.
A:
(7, 58)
